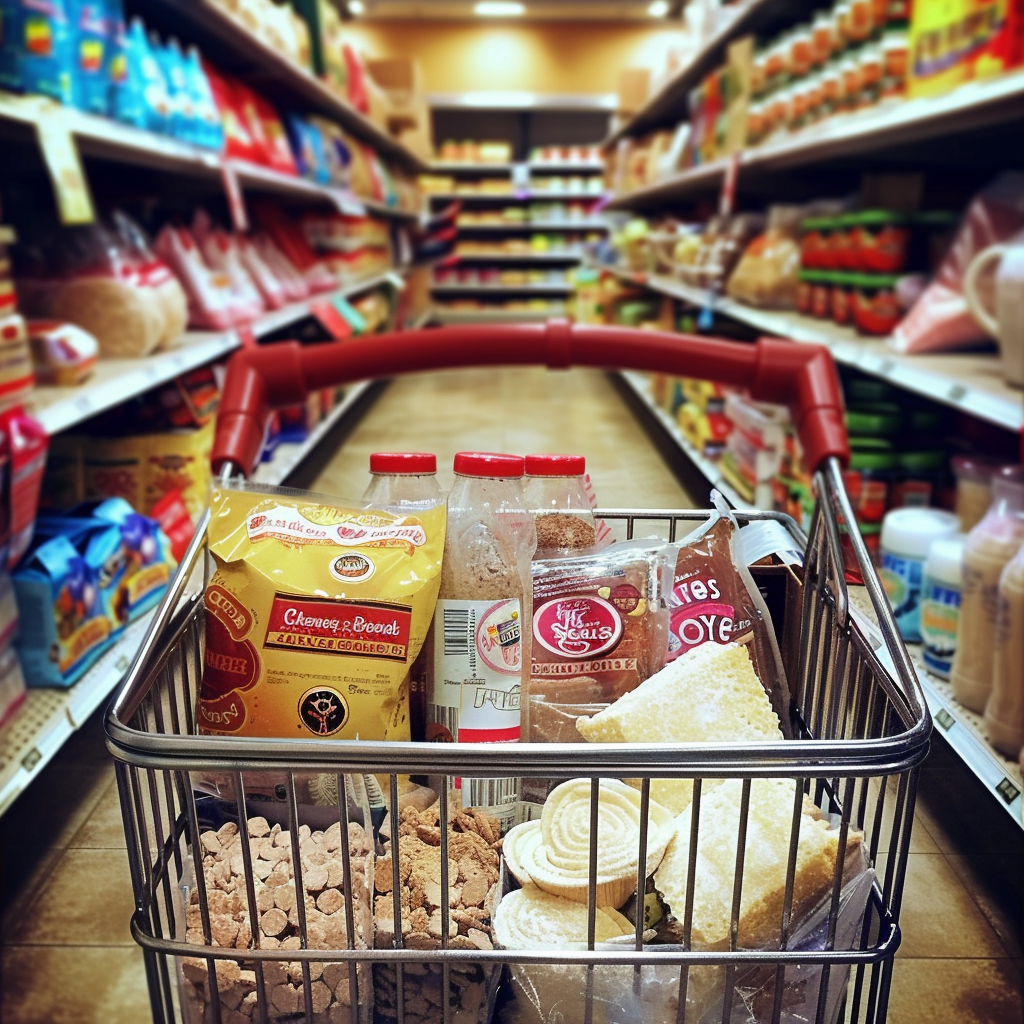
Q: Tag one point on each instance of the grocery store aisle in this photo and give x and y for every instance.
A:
(67, 956)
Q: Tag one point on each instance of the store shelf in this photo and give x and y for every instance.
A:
(962, 729)
(494, 316)
(465, 167)
(116, 380)
(229, 44)
(534, 166)
(517, 258)
(671, 100)
(48, 716)
(501, 289)
(971, 382)
(640, 384)
(257, 178)
(288, 456)
(529, 195)
(972, 106)
(541, 225)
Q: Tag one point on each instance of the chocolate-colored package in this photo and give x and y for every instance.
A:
(600, 628)
(713, 599)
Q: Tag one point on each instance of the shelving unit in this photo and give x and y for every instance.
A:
(49, 716)
(110, 140)
(116, 380)
(975, 105)
(229, 44)
(519, 190)
(640, 385)
(972, 383)
(501, 289)
(491, 316)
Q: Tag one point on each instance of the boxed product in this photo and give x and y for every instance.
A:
(62, 354)
(16, 376)
(64, 627)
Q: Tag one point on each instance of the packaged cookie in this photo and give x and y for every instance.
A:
(472, 844)
(335, 913)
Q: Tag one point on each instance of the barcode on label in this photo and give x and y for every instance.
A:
(490, 792)
(456, 632)
(441, 714)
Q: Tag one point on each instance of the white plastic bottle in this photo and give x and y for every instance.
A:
(480, 648)
(403, 478)
(940, 604)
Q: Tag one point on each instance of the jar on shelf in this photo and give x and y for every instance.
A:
(974, 475)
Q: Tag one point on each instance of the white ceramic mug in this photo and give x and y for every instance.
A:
(1006, 324)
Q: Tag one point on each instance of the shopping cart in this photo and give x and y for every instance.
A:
(858, 712)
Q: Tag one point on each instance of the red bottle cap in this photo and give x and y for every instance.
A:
(555, 465)
(410, 463)
(489, 464)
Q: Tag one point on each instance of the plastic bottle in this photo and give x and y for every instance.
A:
(973, 487)
(89, 36)
(403, 478)
(1004, 709)
(907, 534)
(555, 492)
(183, 118)
(480, 656)
(940, 605)
(148, 97)
(208, 126)
(35, 54)
(116, 59)
(990, 545)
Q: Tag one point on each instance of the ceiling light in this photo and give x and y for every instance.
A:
(658, 9)
(499, 9)
(356, 6)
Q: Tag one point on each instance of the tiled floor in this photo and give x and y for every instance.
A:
(67, 956)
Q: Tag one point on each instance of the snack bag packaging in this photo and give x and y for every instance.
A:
(713, 599)
(316, 610)
(35, 48)
(600, 628)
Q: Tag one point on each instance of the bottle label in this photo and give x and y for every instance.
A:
(475, 696)
(901, 578)
(940, 616)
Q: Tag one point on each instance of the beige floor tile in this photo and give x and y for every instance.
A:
(86, 902)
(103, 829)
(920, 839)
(956, 992)
(939, 918)
(23, 888)
(990, 882)
(69, 985)
(513, 410)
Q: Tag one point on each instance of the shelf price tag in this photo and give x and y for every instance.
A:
(236, 201)
(74, 203)
(1008, 790)
(944, 719)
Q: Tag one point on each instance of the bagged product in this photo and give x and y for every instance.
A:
(89, 35)
(35, 48)
(212, 303)
(271, 290)
(316, 611)
(767, 273)
(107, 282)
(221, 255)
(713, 599)
(941, 320)
(600, 626)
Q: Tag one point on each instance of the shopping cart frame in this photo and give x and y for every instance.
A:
(859, 709)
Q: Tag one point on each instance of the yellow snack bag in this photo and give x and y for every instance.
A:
(316, 611)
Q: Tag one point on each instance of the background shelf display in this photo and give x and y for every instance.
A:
(230, 44)
(973, 106)
(502, 289)
(538, 225)
(971, 382)
(440, 315)
(116, 380)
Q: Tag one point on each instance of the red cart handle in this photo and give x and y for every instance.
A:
(773, 370)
